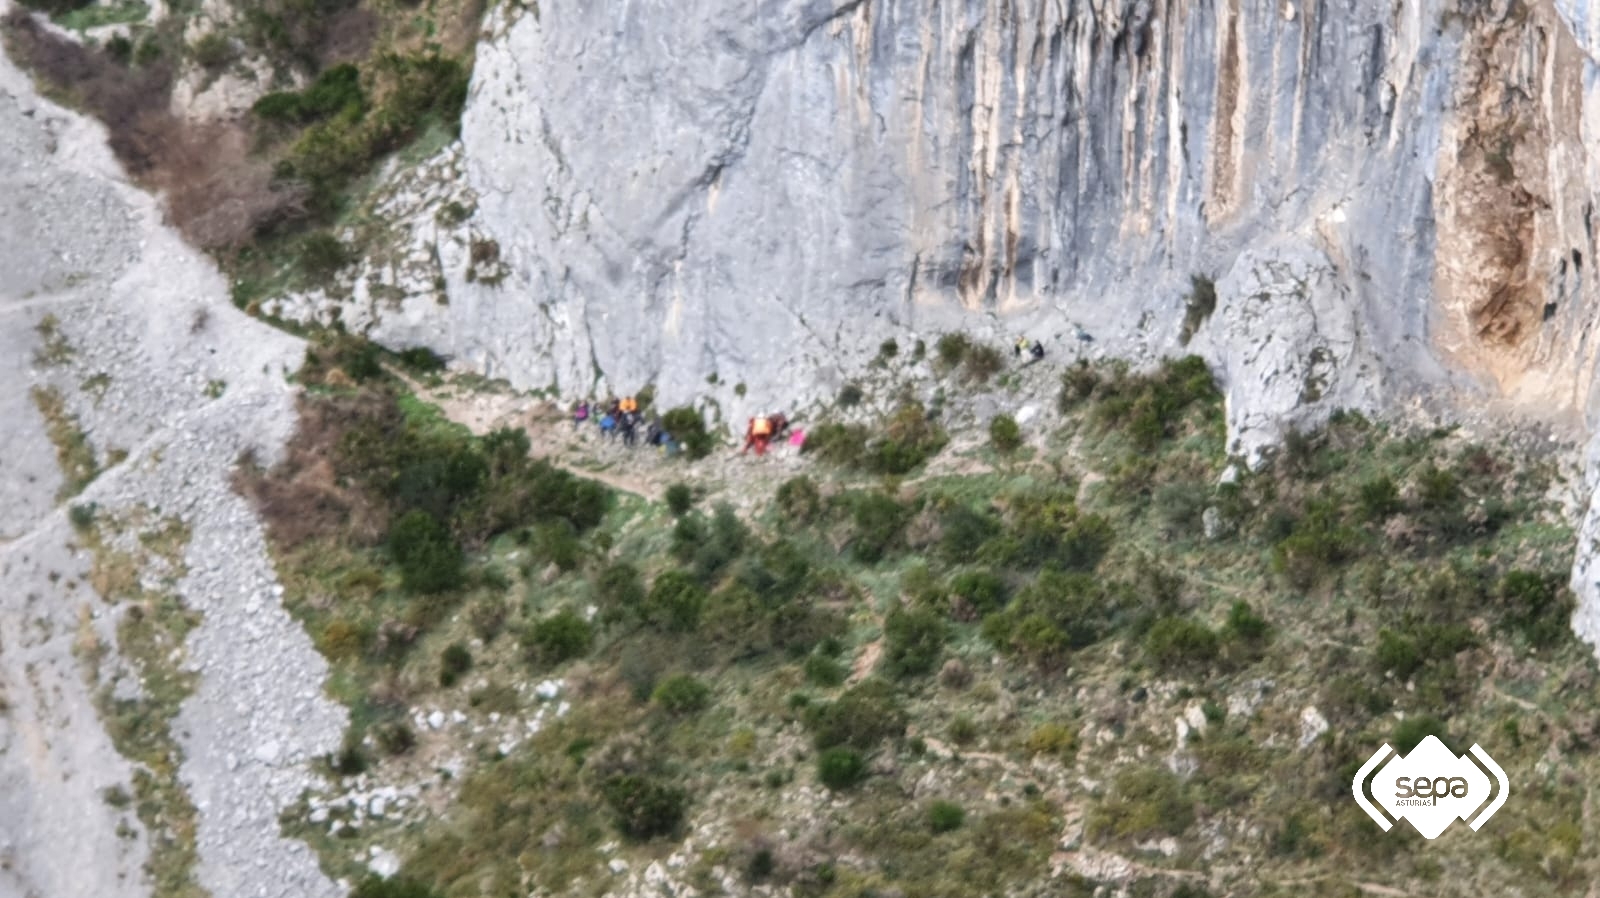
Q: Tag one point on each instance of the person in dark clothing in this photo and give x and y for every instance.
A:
(1037, 351)
(630, 427)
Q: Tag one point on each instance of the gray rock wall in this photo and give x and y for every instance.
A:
(763, 191)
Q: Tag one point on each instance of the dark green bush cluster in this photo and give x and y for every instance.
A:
(454, 661)
(429, 558)
(560, 637)
(1047, 530)
(374, 886)
(945, 816)
(345, 134)
(1144, 802)
(1178, 643)
(913, 640)
(951, 350)
(682, 694)
(1319, 543)
(709, 547)
(878, 526)
(643, 806)
(1198, 306)
(1056, 613)
(909, 439)
(863, 716)
(679, 498)
(336, 91)
(1004, 434)
(688, 426)
(840, 768)
(1147, 408)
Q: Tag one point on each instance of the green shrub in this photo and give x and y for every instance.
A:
(913, 641)
(879, 525)
(981, 362)
(844, 445)
(1078, 383)
(674, 602)
(1144, 802)
(1149, 408)
(688, 427)
(863, 716)
(945, 816)
(1245, 624)
(83, 516)
(962, 730)
(322, 255)
(556, 542)
(395, 738)
(682, 694)
(679, 499)
(454, 661)
(841, 768)
(888, 349)
(799, 500)
(1197, 306)
(423, 360)
(824, 671)
(978, 593)
(1536, 605)
(643, 807)
(619, 591)
(374, 886)
(213, 51)
(336, 91)
(560, 637)
(963, 531)
(1378, 498)
(850, 395)
(428, 557)
(1176, 642)
(1054, 740)
(1004, 434)
(951, 350)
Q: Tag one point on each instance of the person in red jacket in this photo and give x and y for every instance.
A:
(758, 434)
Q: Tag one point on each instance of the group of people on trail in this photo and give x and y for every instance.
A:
(1035, 352)
(621, 417)
(762, 430)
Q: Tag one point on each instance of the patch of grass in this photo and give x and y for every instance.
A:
(74, 456)
(54, 349)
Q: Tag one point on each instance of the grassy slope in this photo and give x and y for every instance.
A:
(1060, 747)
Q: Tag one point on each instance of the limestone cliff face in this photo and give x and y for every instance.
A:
(766, 190)
(763, 191)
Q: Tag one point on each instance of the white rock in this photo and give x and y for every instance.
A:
(436, 720)
(1312, 725)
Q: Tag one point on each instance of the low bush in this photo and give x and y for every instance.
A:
(1197, 306)
(394, 738)
(1053, 740)
(1144, 802)
(824, 671)
(322, 255)
(841, 768)
(1178, 643)
(680, 498)
(560, 637)
(428, 557)
(688, 426)
(643, 807)
(913, 640)
(980, 362)
(454, 661)
(1535, 605)
(682, 694)
(374, 886)
(850, 396)
(878, 527)
(945, 816)
(951, 350)
(863, 716)
(674, 602)
(975, 594)
(799, 500)
(1004, 434)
